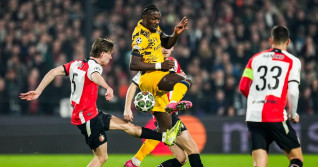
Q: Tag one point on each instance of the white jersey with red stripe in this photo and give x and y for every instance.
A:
(84, 90)
(272, 70)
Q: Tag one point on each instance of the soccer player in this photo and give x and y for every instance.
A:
(270, 81)
(147, 57)
(85, 76)
(185, 144)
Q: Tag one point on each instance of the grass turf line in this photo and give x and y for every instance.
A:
(117, 160)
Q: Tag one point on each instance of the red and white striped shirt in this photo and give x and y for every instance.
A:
(265, 83)
(84, 90)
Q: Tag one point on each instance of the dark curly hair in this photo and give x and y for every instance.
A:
(149, 8)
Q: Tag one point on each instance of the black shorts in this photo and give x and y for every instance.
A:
(94, 130)
(262, 134)
(175, 118)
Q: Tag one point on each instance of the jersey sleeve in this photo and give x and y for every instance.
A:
(294, 75)
(247, 79)
(139, 44)
(67, 67)
(93, 67)
(136, 79)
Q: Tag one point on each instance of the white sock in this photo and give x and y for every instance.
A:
(136, 161)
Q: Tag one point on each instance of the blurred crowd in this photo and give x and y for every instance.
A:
(38, 35)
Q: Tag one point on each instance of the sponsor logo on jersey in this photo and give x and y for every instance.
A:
(97, 68)
(136, 47)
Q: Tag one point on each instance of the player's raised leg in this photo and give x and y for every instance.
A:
(180, 85)
(100, 156)
(168, 137)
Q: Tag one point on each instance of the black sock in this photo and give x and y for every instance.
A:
(295, 163)
(195, 160)
(171, 163)
(150, 134)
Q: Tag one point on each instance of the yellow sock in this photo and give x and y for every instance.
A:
(146, 149)
(179, 90)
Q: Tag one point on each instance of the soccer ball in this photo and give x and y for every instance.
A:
(144, 101)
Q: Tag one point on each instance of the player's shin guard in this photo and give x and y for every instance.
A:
(195, 160)
(146, 148)
(295, 163)
(170, 163)
(150, 134)
(179, 90)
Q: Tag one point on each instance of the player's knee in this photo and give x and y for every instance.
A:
(103, 159)
(295, 163)
(191, 147)
(129, 127)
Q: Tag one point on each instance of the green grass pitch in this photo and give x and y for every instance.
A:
(117, 160)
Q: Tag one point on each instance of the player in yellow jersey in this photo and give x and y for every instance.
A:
(185, 145)
(147, 41)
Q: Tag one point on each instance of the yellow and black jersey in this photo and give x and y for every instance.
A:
(147, 45)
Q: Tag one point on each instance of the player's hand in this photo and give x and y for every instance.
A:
(296, 119)
(31, 95)
(128, 115)
(181, 26)
(109, 94)
(167, 64)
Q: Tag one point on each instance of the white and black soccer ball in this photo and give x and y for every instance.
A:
(144, 101)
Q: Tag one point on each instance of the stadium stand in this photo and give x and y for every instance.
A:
(40, 34)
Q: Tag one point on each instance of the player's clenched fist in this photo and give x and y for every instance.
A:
(167, 64)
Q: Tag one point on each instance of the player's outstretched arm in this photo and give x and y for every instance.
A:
(32, 95)
(168, 41)
(182, 26)
(99, 80)
(128, 115)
